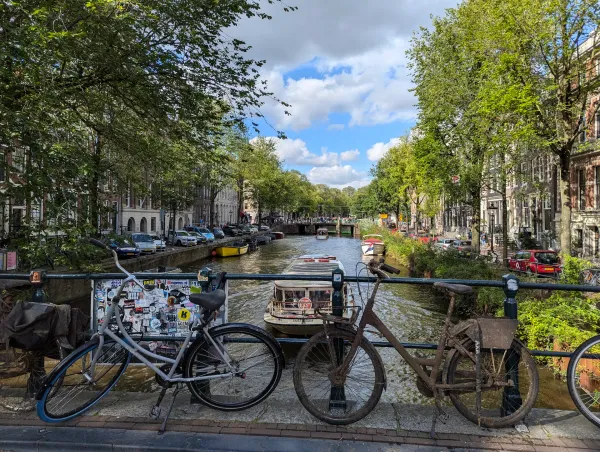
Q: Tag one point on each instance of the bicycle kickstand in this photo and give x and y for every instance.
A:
(155, 411)
(164, 424)
(438, 413)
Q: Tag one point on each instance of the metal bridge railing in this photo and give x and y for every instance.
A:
(509, 283)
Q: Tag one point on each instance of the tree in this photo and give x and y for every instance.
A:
(540, 54)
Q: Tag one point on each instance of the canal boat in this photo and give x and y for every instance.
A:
(372, 245)
(322, 234)
(293, 304)
(277, 235)
(233, 249)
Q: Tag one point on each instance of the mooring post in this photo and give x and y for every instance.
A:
(511, 399)
(337, 398)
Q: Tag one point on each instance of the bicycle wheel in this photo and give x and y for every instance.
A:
(583, 379)
(361, 389)
(496, 409)
(22, 373)
(72, 387)
(253, 353)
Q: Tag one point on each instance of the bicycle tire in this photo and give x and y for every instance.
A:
(59, 376)
(572, 378)
(311, 406)
(493, 422)
(202, 351)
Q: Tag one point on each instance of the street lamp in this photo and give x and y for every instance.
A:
(493, 206)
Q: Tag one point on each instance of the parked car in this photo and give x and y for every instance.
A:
(463, 247)
(218, 233)
(231, 231)
(264, 227)
(201, 230)
(123, 246)
(181, 238)
(444, 243)
(161, 245)
(200, 239)
(539, 262)
(144, 242)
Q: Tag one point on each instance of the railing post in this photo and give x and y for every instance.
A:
(511, 400)
(337, 397)
(36, 278)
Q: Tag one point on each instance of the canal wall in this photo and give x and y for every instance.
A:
(63, 291)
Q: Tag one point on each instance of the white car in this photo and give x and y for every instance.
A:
(160, 243)
(144, 242)
(182, 238)
(444, 243)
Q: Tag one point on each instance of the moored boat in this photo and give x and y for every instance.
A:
(322, 234)
(293, 304)
(372, 245)
(277, 235)
(233, 249)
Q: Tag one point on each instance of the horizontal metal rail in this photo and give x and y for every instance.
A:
(279, 277)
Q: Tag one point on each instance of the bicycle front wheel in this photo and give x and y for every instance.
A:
(501, 405)
(74, 386)
(345, 401)
(239, 368)
(583, 379)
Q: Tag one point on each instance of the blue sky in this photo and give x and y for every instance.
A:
(341, 64)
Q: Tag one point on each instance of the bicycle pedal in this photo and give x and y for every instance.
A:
(443, 417)
(155, 412)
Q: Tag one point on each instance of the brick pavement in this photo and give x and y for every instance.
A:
(328, 432)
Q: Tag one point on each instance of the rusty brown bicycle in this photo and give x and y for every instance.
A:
(489, 376)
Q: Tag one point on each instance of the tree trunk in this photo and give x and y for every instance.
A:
(476, 223)
(212, 196)
(504, 216)
(240, 186)
(565, 201)
(93, 182)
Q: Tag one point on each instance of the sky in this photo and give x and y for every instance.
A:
(342, 66)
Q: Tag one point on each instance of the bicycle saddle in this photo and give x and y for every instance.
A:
(209, 300)
(454, 288)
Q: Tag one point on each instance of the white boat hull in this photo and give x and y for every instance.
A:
(294, 327)
(373, 249)
(322, 237)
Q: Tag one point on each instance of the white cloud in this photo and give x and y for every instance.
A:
(357, 49)
(378, 150)
(349, 156)
(336, 176)
(295, 152)
(336, 127)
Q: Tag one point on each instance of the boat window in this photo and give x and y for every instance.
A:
(294, 295)
(319, 295)
(278, 294)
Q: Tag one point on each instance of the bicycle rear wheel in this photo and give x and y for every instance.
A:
(73, 386)
(361, 389)
(497, 408)
(255, 356)
(583, 379)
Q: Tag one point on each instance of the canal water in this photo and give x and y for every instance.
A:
(412, 313)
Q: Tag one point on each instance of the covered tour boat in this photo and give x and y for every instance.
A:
(293, 304)
(372, 245)
(322, 234)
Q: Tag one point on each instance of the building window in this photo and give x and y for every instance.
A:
(597, 187)
(597, 125)
(128, 200)
(578, 238)
(18, 160)
(153, 224)
(583, 127)
(2, 171)
(581, 189)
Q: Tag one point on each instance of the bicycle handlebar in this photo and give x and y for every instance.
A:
(389, 269)
(99, 244)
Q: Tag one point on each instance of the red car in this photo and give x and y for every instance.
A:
(539, 262)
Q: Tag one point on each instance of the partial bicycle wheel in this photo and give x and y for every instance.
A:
(583, 379)
(74, 386)
(22, 373)
(360, 390)
(255, 356)
(515, 365)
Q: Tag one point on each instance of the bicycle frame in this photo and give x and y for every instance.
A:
(141, 353)
(370, 318)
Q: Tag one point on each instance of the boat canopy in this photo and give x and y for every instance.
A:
(311, 264)
(375, 236)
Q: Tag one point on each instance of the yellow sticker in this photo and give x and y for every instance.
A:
(184, 315)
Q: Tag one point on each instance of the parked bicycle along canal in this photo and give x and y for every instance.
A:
(413, 313)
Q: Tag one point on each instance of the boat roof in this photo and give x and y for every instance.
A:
(309, 264)
(373, 235)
